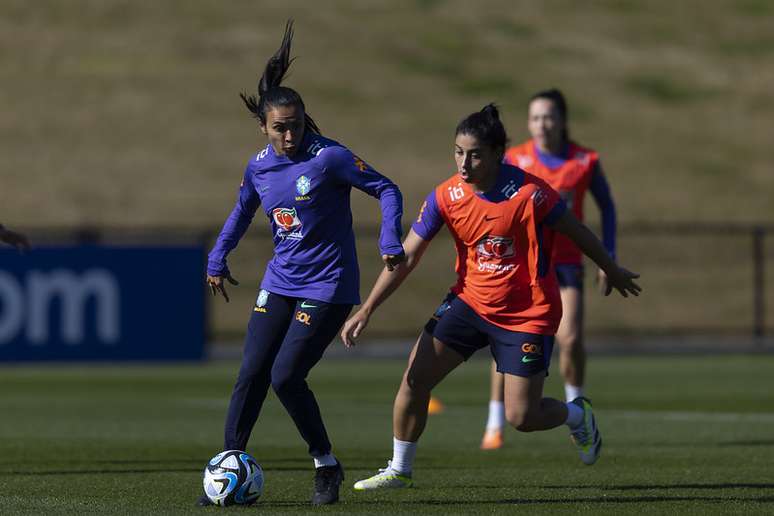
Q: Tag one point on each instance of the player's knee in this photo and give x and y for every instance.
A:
(523, 420)
(249, 375)
(415, 381)
(285, 384)
(571, 342)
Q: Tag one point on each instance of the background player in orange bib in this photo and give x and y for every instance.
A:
(503, 221)
(571, 170)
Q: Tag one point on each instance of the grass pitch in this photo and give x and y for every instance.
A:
(683, 434)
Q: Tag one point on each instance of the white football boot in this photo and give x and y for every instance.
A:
(386, 478)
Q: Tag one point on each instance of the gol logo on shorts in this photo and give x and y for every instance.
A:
(303, 317)
(532, 347)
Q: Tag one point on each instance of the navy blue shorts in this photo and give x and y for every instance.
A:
(569, 275)
(462, 329)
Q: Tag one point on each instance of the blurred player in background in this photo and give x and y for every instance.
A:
(303, 181)
(12, 238)
(571, 170)
(503, 221)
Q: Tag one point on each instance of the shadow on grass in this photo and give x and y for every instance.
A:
(643, 487)
(124, 471)
(763, 442)
(541, 501)
(161, 469)
(96, 471)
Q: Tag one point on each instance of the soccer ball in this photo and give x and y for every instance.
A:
(233, 477)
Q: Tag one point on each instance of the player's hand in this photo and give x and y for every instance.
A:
(622, 280)
(18, 240)
(602, 282)
(354, 327)
(393, 261)
(217, 285)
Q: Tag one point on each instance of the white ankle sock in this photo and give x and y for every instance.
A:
(574, 415)
(403, 453)
(324, 460)
(572, 391)
(496, 419)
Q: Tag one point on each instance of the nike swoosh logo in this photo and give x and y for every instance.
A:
(304, 305)
(526, 359)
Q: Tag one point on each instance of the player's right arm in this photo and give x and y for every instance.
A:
(234, 228)
(425, 227)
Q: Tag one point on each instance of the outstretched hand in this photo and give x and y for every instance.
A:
(393, 261)
(354, 327)
(217, 285)
(622, 281)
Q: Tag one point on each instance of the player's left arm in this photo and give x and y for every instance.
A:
(352, 170)
(618, 278)
(600, 190)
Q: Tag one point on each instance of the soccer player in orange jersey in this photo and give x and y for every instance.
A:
(504, 222)
(571, 170)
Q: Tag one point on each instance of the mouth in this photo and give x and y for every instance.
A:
(464, 175)
(289, 149)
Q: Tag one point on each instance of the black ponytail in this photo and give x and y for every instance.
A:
(486, 127)
(557, 97)
(270, 92)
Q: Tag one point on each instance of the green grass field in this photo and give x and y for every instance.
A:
(683, 434)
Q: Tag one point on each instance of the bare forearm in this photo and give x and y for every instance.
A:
(593, 248)
(388, 281)
(586, 241)
(386, 284)
(618, 277)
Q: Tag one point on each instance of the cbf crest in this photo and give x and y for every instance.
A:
(303, 186)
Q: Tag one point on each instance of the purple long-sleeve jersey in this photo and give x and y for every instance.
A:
(307, 201)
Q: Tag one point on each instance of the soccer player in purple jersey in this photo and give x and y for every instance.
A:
(303, 182)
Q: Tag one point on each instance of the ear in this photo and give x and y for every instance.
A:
(263, 128)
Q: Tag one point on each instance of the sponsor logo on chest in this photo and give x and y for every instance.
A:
(491, 250)
(288, 223)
